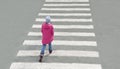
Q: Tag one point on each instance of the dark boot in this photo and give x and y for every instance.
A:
(41, 57)
(50, 51)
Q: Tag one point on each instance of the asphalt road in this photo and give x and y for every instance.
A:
(17, 17)
(107, 28)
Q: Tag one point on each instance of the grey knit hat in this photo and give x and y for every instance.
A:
(48, 19)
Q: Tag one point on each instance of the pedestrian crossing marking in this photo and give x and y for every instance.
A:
(64, 14)
(62, 42)
(86, 34)
(67, 0)
(67, 26)
(66, 5)
(64, 20)
(65, 53)
(30, 65)
(66, 9)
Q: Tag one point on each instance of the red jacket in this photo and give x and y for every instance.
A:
(47, 33)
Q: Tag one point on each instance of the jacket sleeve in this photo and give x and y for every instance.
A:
(42, 28)
(52, 31)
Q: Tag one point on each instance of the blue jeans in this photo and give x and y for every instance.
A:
(44, 46)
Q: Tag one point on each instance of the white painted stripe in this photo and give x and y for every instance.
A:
(64, 34)
(64, 14)
(66, 9)
(66, 4)
(67, 26)
(64, 20)
(65, 53)
(62, 42)
(67, 0)
(37, 65)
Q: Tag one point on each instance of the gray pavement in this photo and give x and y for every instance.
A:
(17, 17)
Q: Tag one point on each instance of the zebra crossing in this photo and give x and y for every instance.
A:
(75, 45)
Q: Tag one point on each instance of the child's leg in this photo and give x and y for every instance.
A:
(43, 49)
(42, 52)
(50, 48)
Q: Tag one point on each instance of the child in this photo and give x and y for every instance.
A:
(47, 36)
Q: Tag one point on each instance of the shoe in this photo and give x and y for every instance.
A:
(41, 57)
(50, 51)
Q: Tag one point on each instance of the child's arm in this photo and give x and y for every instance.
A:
(42, 28)
(52, 31)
